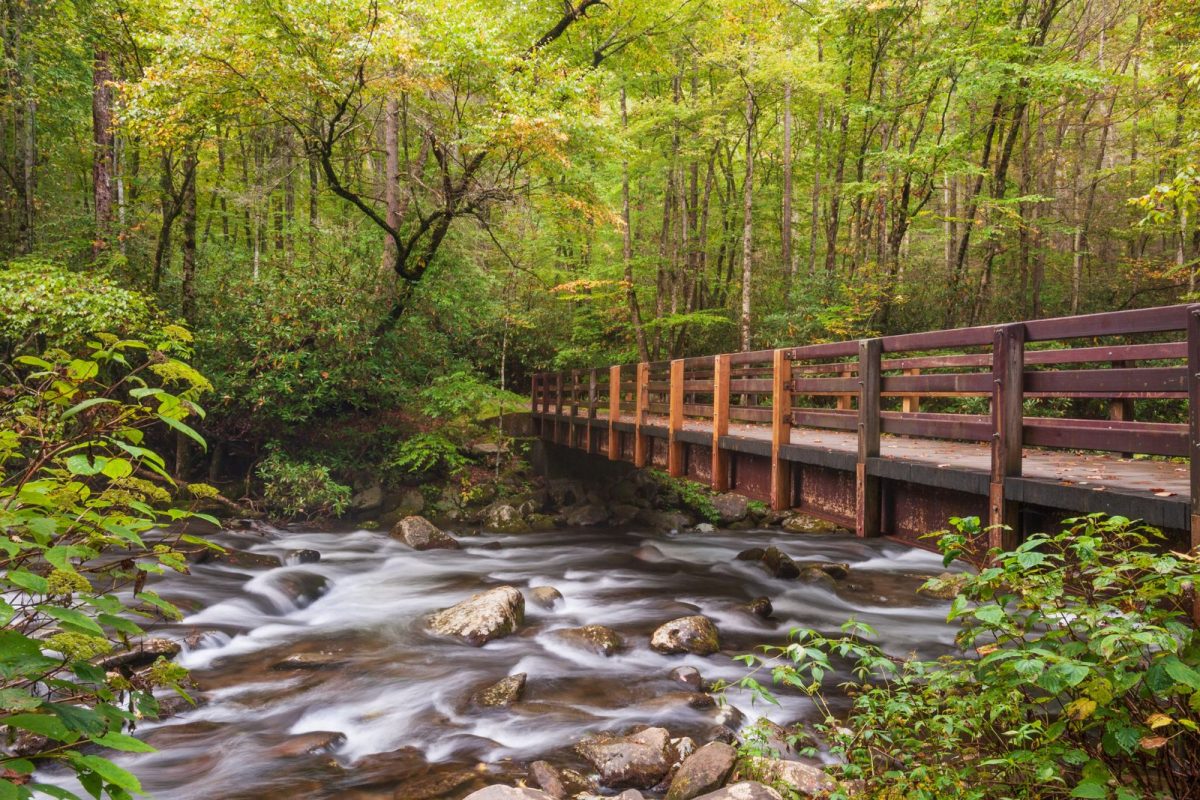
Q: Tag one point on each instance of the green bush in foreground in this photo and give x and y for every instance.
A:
(83, 499)
(294, 488)
(1078, 676)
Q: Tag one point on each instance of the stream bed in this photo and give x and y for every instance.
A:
(320, 680)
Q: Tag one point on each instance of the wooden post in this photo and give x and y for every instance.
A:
(572, 433)
(558, 406)
(781, 430)
(1122, 409)
(1193, 382)
(720, 458)
(589, 437)
(867, 496)
(614, 412)
(641, 449)
(911, 405)
(675, 465)
(1008, 395)
(843, 400)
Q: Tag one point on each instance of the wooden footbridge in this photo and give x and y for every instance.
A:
(1020, 424)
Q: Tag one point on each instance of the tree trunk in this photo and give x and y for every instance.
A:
(391, 184)
(785, 233)
(635, 314)
(188, 269)
(748, 219)
(102, 152)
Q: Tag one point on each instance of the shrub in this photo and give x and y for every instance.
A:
(79, 483)
(692, 495)
(432, 453)
(300, 488)
(1078, 676)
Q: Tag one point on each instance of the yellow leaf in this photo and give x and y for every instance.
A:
(1158, 720)
(1082, 708)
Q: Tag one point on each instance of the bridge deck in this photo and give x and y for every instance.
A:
(1020, 424)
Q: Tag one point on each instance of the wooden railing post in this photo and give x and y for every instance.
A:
(781, 430)
(1193, 382)
(589, 438)
(641, 449)
(614, 413)
(1008, 396)
(844, 400)
(911, 404)
(675, 421)
(558, 406)
(720, 458)
(867, 496)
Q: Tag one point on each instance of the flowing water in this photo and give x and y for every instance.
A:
(320, 679)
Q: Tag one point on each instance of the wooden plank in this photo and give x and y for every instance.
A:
(1138, 379)
(720, 424)
(589, 437)
(867, 495)
(558, 406)
(614, 413)
(939, 340)
(1008, 394)
(829, 350)
(846, 401)
(1110, 323)
(675, 448)
(911, 404)
(781, 431)
(641, 445)
(956, 382)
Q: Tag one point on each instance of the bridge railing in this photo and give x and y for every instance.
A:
(1068, 382)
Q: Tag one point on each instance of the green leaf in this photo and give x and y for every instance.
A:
(79, 718)
(86, 404)
(1090, 788)
(123, 742)
(1181, 672)
(992, 614)
(48, 725)
(107, 770)
(73, 619)
(117, 468)
(186, 430)
(17, 700)
(28, 581)
(82, 465)
(80, 370)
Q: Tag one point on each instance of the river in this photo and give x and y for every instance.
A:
(320, 679)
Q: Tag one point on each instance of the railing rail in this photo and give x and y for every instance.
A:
(1067, 382)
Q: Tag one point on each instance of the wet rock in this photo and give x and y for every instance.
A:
(803, 779)
(303, 587)
(622, 514)
(369, 499)
(240, 559)
(779, 564)
(28, 743)
(731, 507)
(508, 793)
(704, 527)
(760, 607)
(421, 534)
(563, 492)
(502, 693)
(409, 502)
(307, 744)
(482, 617)
(746, 790)
(806, 523)
(310, 661)
(546, 597)
(703, 771)
(623, 491)
(650, 554)
(441, 783)
(559, 783)
(302, 557)
(665, 520)
(817, 575)
(752, 554)
(630, 794)
(684, 746)
(688, 676)
(596, 638)
(678, 701)
(585, 516)
(540, 522)
(838, 570)
(945, 586)
(503, 518)
(694, 634)
(637, 761)
(139, 654)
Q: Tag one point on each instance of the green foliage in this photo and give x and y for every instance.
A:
(462, 395)
(40, 298)
(430, 453)
(293, 488)
(693, 496)
(1078, 676)
(78, 482)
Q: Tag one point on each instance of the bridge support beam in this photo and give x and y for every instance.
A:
(675, 454)
(720, 457)
(868, 499)
(1008, 397)
(641, 442)
(781, 430)
(614, 413)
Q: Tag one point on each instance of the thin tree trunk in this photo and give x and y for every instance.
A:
(635, 314)
(786, 222)
(102, 152)
(748, 220)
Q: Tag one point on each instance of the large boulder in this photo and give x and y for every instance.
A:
(369, 499)
(596, 638)
(703, 771)
(421, 534)
(585, 516)
(806, 523)
(779, 564)
(503, 518)
(559, 783)
(508, 793)
(731, 507)
(694, 634)
(482, 617)
(637, 761)
(746, 790)
(502, 693)
(803, 779)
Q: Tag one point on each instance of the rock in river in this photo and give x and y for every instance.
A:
(688, 676)
(503, 693)
(508, 793)
(597, 638)
(637, 761)
(482, 617)
(503, 518)
(779, 563)
(760, 607)
(703, 771)
(803, 779)
(746, 790)
(421, 534)
(559, 783)
(695, 634)
(731, 507)
(546, 597)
